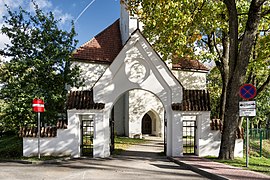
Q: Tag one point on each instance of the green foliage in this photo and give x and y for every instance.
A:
(38, 66)
(178, 27)
(214, 86)
(255, 148)
(10, 147)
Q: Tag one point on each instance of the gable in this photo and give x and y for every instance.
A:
(106, 45)
(138, 66)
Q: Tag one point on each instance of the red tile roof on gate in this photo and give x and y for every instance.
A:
(193, 100)
(82, 100)
(188, 64)
(104, 47)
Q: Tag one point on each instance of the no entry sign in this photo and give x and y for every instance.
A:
(247, 91)
(38, 105)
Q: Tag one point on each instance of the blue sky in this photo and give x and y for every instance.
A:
(99, 15)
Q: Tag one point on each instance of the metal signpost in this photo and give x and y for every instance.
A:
(247, 109)
(38, 106)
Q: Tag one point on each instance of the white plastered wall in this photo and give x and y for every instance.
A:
(193, 80)
(68, 141)
(137, 66)
(90, 72)
(64, 144)
(207, 140)
(75, 123)
(128, 24)
(120, 116)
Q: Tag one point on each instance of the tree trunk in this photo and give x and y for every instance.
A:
(224, 71)
(238, 62)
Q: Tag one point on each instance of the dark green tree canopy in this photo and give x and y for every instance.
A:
(38, 65)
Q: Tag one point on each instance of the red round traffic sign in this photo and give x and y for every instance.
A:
(38, 105)
(247, 91)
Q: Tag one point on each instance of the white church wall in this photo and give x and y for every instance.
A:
(157, 123)
(119, 116)
(90, 72)
(193, 80)
(141, 102)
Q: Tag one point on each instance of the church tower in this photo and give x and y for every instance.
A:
(128, 23)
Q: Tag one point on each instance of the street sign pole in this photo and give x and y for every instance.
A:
(38, 135)
(38, 106)
(247, 141)
(247, 109)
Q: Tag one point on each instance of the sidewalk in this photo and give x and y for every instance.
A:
(215, 170)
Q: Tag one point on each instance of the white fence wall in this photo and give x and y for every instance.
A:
(64, 144)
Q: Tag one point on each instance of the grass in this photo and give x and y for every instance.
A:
(255, 148)
(122, 143)
(256, 163)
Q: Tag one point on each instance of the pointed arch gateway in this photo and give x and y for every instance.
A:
(138, 66)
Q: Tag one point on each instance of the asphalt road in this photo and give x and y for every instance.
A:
(139, 162)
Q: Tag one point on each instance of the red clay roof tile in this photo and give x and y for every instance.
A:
(193, 100)
(82, 100)
(104, 47)
(188, 64)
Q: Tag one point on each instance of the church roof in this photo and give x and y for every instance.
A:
(188, 64)
(104, 47)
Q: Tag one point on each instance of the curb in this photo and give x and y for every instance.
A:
(53, 161)
(198, 170)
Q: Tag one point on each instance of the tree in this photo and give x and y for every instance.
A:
(224, 30)
(38, 66)
(214, 86)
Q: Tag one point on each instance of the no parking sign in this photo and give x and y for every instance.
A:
(247, 91)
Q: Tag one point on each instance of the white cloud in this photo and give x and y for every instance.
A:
(13, 4)
(42, 4)
(3, 40)
(64, 17)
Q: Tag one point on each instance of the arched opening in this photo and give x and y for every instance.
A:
(137, 113)
(147, 124)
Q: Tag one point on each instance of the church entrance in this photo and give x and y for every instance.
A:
(146, 124)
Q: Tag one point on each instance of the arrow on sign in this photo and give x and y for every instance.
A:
(247, 104)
